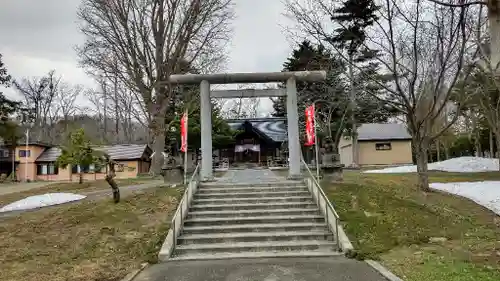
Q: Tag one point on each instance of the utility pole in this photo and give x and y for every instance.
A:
(26, 155)
(105, 111)
(352, 97)
(117, 121)
(115, 82)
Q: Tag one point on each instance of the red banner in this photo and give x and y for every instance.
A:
(184, 132)
(310, 126)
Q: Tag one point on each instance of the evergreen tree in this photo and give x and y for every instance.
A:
(78, 151)
(354, 16)
(7, 106)
(331, 96)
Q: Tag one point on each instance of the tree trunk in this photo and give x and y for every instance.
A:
(158, 128)
(80, 178)
(447, 152)
(421, 151)
(438, 150)
(12, 153)
(110, 179)
(492, 149)
(477, 145)
(497, 138)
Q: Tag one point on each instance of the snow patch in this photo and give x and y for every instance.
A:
(485, 193)
(455, 165)
(44, 200)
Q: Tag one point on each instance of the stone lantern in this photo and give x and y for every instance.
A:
(330, 165)
(172, 169)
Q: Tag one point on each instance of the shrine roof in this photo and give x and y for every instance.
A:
(273, 127)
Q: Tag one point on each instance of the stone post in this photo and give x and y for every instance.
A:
(293, 129)
(206, 132)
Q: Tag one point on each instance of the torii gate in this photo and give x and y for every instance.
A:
(232, 78)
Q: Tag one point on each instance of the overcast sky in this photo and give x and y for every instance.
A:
(39, 35)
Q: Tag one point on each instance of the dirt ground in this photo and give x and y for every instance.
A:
(87, 241)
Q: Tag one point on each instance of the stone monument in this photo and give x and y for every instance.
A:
(331, 168)
(172, 170)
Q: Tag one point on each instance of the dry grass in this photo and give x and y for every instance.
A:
(73, 187)
(86, 241)
(405, 218)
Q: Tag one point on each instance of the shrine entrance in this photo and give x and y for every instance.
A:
(248, 149)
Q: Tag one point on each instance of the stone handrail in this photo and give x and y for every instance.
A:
(178, 218)
(326, 207)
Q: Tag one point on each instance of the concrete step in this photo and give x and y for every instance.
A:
(251, 194)
(276, 227)
(253, 206)
(252, 213)
(262, 184)
(257, 255)
(253, 237)
(254, 220)
(254, 200)
(204, 190)
(261, 246)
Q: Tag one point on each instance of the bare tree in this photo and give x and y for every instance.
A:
(66, 100)
(40, 94)
(144, 42)
(485, 102)
(99, 108)
(423, 47)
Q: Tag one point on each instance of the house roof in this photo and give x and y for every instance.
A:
(272, 127)
(378, 131)
(116, 152)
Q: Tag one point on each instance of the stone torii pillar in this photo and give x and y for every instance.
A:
(205, 80)
(206, 131)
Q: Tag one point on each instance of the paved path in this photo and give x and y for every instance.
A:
(249, 176)
(124, 190)
(276, 269)
(21, 186)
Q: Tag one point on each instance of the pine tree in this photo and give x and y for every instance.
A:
(354, 17)
(332, 94)
(7, 106)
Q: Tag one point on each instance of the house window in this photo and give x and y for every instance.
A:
(47, 169)
(119, 167)
(6, 153)
(85, 168)
(24, 153)
(53, 169)
(80, 169)
(383, 146)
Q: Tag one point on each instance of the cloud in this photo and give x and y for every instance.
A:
(45, 28)
(20, 66)
(38, 36)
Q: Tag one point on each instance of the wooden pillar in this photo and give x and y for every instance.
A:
(259, 153)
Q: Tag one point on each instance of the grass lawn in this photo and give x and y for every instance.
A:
(401, 219)
(74, 187)
(88, 241)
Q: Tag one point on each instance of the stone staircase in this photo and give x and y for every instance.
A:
(278, 219)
